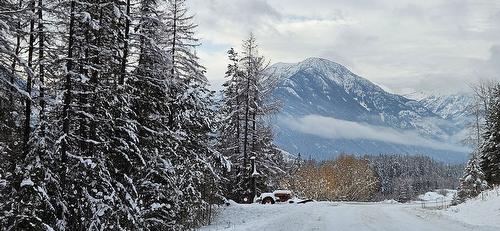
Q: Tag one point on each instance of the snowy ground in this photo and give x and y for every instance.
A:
(484, 209)
(438, 196)
(352, 216)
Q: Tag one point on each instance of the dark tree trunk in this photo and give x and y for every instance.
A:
(254, 182)
(254, 124)
(27, 111)
(94, 82)
(82, 97)
(254, 132)
(247, 114)
(125, 45)
(67, 97)
(174, 44)
(14, 60)
(174, 36)
(238, 132)
(41, 70)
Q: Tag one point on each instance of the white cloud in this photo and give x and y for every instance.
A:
(331, 128)
(425, 45)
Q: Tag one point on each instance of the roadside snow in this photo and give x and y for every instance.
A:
(484, 209)
(338, 216)
(437, 196)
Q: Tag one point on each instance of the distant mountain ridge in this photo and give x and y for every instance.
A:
(450, 107)
(318, 90)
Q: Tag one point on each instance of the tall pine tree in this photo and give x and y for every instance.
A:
(246, 132)
(472, 182)
(489, 151)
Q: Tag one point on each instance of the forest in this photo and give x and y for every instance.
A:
(107, 122)
(370, 178)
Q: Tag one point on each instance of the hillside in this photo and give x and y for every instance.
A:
(484, 209)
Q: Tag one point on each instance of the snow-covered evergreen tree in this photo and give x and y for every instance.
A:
(9, 95)
(182, 42)
(19, 79)
(472, 182)
(156, 181)
(403, 177)
(489, 151)
(13, 68)
(191, 116)
(230, 126)
(172, 107)
(245, 132)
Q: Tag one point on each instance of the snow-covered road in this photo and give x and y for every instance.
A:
(331, 216)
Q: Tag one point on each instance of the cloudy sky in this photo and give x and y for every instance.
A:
(402, 45)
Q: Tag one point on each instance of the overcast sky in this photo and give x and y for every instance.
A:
(402, 45)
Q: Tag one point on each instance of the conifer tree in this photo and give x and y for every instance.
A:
(472, 182)
(230, 138)
(156, 182)
(489, 152)
(246, 106)
(11, 93)
(190, 116)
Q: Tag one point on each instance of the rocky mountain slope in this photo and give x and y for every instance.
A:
(456, 107)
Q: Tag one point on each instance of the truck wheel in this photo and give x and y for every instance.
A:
(268, 200)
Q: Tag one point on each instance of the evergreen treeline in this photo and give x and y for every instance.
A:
(403, 177)
(370, 178)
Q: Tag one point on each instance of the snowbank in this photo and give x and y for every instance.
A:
(391, 201)
(479, 214)
(437, 195)
(484, 209)
(344, 216)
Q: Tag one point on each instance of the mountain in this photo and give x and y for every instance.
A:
(328, 110)
(454, 107)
